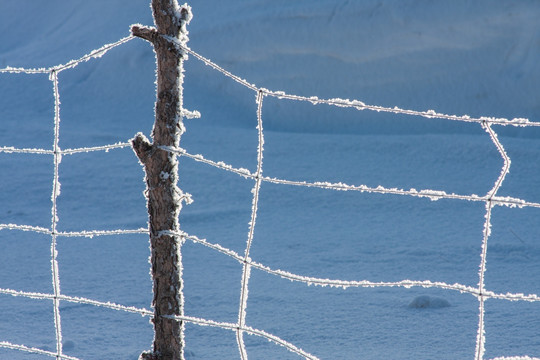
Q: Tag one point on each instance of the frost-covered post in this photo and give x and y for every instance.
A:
(163, 196)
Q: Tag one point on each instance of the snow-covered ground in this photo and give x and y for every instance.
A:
(478, 58)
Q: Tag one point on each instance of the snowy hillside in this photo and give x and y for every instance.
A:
(475, 58)
(478, 58)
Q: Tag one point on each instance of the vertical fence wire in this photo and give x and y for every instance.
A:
(246, 271)
(505, 169)
(54, 211)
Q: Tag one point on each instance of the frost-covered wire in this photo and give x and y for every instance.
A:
(36, 229)
(146, 312)
(94, 54)
(481, 333)
(92, 233)
(220, 164)
(430, 114)
(28, 294)
(183, 47)
(97, 53)
(11, 150)
(247, 329)
(83, 233)
(106, 148)
(345, 284)
(506, 160)
(357, 104)
(33, 350)
(246, 269)
(54, 211)
(490, 199)
(433, 195)
(78, 300)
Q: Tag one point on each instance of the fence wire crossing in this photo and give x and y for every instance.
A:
(240, 328)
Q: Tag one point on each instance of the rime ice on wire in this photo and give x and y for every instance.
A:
(490, 199)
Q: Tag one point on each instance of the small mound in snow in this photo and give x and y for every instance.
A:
(424, 302)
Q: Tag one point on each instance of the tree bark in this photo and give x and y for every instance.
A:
(161, 168)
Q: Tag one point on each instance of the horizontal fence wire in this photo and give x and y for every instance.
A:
(433, 195)
(356, 104)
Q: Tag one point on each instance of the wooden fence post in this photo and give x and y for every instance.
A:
(163, 196)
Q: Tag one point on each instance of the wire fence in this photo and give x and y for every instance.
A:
(491, 199)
